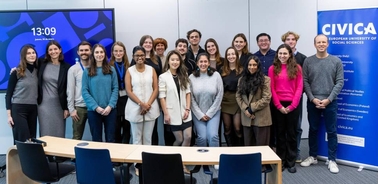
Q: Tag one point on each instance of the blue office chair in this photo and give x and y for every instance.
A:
(239, 169)
(164, 169)
(94, 166)
(35, 165)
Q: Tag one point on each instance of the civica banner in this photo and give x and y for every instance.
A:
(352, 36)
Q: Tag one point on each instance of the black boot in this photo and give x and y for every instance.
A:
(239, 141)
(229, 140)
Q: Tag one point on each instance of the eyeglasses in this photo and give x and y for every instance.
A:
(262, 41)
(139, 56)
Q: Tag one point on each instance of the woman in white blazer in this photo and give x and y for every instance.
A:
(174, 95)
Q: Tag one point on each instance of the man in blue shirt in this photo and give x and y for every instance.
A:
(265, 53)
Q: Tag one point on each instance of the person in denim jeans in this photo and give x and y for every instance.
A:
(323, 77)
(100, 93)
(207, 93)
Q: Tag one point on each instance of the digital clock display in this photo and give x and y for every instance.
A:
(38, 27)
(48, 31)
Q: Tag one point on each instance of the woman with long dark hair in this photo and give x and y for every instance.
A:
(287, 88)
(21, 96)
(100, 93)
(231, 116)
(253, 97)
(174, 94)
(207, 94)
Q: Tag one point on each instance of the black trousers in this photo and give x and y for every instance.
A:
(122, 130)
(25, 121)
(286, 134)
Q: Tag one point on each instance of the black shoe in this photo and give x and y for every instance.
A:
(292, 169)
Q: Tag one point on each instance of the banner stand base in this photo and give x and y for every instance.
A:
(353, 164)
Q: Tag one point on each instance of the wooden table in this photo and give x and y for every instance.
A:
(128, 153)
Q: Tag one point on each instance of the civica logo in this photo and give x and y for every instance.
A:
(349, 29)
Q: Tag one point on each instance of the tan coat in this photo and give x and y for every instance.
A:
(259, 104)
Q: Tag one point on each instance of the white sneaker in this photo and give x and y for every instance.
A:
(309, 160)
(216, 167)
(327, 162)
(332, 166)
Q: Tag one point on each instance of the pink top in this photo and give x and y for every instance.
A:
(285, 89)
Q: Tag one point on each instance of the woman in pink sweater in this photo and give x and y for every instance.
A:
(287, 86)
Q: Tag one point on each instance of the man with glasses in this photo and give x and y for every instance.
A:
(194, 37)
(265, 53)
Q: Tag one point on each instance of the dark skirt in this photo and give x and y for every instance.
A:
(181, 127)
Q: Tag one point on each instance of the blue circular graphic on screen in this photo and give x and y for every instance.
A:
(106, 41)
(80, 20)
(14, 47)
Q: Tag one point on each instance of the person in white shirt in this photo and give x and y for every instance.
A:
(76, 104)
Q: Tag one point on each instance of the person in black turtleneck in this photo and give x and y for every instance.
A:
(240, 43)
(21, 96)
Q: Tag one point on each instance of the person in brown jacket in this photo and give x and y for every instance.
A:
(253, 97)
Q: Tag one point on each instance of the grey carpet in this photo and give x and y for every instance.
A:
(315, 174)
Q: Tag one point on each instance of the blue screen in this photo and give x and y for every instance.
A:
(68, 27)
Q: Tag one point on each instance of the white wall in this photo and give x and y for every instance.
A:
(324, 5)
(219, 19)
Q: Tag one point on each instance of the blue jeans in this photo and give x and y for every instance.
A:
(95, 121)
(207, 132)
(330, 120)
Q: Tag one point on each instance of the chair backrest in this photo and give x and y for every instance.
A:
(93, 166)
(34, 163)
(239, 169)
(162, 168)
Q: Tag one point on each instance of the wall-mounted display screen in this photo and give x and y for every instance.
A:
(38, 27)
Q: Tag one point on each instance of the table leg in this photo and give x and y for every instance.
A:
(14, 171)
(275, 177)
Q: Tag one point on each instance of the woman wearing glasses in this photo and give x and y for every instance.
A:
(142, 88)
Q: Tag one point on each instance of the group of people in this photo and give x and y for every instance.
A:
(192, 91)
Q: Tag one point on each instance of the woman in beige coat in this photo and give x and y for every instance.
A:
(253, 97)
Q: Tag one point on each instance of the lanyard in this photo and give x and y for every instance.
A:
(81, 66)
(121, 73)
(77, 60)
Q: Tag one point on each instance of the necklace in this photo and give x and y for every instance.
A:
(174, 76)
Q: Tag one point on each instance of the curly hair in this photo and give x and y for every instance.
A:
(292, 67)
(250, 83)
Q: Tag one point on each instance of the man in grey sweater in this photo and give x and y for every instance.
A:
(323, 77)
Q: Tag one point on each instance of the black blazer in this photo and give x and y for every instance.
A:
(299, 57)
(62, 82)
